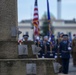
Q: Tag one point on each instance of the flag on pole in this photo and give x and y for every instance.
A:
(48, 17)
(36, 19)
(48, 11)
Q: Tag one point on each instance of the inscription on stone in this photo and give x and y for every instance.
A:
(22, 49)
(35, 49)
(13, 31)
(31, 68)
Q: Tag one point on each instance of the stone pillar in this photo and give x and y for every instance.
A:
(8, 28)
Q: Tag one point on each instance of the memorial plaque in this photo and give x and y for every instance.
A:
(56, 66)
(13, 31)
(31, 68)
(35, 49)
(22, 49)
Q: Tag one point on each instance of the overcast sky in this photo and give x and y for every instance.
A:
(26, 7)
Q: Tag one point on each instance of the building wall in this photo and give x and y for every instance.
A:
(24, 30)
(64, 30)
(58, 25)
(25, 27)
(64, 27)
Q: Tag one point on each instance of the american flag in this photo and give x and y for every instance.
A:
(36, 20)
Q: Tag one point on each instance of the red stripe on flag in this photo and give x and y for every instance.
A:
(35, 9)
(36, 19)
(35, 14)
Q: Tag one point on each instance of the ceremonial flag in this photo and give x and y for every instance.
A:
(36, 19)
(48, 11)
(48, 17)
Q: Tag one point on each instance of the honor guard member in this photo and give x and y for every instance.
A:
(25, 37)
(39, 43)
(60, 38)
(41, 52)
(47, 48)
(52, 46)
(58, 53)
(65, 53)
(74, 50)
(20, 41)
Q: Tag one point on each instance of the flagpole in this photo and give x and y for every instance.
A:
(49, 21)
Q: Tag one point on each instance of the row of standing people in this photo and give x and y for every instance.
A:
(59, 49)
(47, 48)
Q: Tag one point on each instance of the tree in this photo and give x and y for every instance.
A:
(45, 25)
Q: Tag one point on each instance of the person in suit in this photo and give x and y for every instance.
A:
(65, 53)
(74, 50)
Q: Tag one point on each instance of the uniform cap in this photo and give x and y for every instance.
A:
(61, 33)
(25, 36)
(65, 35)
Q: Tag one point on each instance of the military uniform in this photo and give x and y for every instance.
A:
(65, 55)
(59, 40)
(25, 37)
(39, 43)
(58, 53)
(74, 51)
(49, 50)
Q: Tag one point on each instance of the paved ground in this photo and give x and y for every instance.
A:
(72, 69)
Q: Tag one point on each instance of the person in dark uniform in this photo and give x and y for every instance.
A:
(58, 53)
(52, 45)
(65, 53)
(60, 38)
(74, 50)
(42, 52)
(25, 37)
(39, 43)
(49, 53)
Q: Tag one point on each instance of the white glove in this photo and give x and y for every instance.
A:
(55, 57)
(37, 38)
(69, 48)
(42, 56)
(49, 39)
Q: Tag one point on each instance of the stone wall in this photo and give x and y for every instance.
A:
(8, 18)
(18, 66)
(8, 50)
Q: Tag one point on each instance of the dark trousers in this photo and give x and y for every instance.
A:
(74, 58)
(65, 65)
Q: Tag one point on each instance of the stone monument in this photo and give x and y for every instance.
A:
(8, 29)
(10, 63)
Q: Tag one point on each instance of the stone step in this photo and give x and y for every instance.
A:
(63, 74)
(71, 73)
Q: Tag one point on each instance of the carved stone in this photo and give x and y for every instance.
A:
(35, 49)
(22, 50)
(30, 52)
(31, 68)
